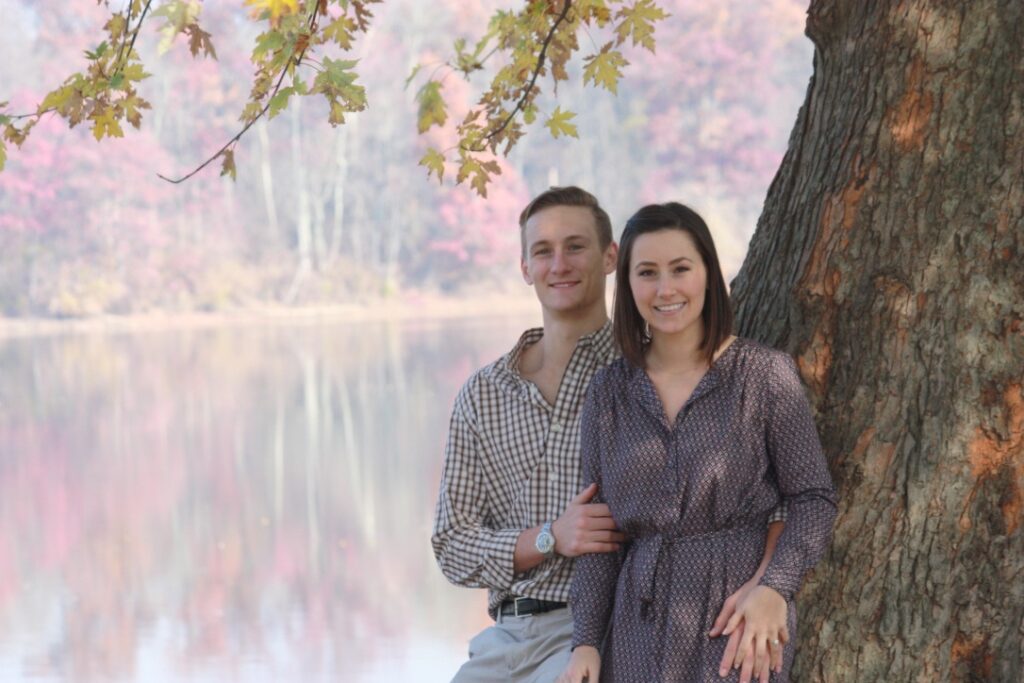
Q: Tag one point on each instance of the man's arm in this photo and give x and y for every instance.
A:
(584, 527)
(468, 552)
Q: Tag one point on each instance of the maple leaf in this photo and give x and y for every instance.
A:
(116, 26)
(432, 109)
(198, 39)
(638, 23)
(558, 123)
(434, 163)
(104, 124)
(604, 68)
(3, 155)
(340, 31)
(279, 101)
(274, 8)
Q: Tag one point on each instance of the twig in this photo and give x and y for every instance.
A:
(135, 34)
(270, 96)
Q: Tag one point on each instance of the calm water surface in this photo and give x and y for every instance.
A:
(249, 503)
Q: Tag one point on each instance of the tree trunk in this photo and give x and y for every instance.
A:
(887, 261)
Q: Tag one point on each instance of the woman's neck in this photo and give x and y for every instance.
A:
(678, 352)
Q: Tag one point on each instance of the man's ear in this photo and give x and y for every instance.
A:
(526, 273)
(611, 257)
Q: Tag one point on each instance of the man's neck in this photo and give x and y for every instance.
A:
(552, 352)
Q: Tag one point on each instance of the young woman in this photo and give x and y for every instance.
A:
(693, 437)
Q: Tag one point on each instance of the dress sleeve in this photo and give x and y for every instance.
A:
(469, 552)
(803, 479)
(592, 594)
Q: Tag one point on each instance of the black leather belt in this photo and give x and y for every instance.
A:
(521, 607)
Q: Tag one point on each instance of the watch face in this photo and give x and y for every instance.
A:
(545, 542)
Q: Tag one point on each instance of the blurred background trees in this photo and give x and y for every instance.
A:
(328, 215)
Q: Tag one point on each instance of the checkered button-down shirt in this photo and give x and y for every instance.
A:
(512, 462)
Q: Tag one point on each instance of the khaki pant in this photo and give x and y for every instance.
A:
(533, 649)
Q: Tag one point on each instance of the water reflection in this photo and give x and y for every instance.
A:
(233, 504)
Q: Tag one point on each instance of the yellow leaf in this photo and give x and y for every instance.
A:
(603, 69)
(638, 23)
(276, 8)
(3, 155)
(104, 124)
(434, 163)
(558, 123)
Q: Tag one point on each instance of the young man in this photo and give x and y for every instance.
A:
(510, 514)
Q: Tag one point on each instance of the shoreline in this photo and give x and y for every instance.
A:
(414, 307)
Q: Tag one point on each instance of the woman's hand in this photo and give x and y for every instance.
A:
(584, 665)
(728, 609)
(762, 614)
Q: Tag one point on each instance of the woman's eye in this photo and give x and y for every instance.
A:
(682, 269)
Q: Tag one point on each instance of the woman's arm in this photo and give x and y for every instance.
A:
(592, 594)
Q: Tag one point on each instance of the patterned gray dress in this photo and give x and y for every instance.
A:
(694, 497)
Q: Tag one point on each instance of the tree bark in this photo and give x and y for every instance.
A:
(887, 261)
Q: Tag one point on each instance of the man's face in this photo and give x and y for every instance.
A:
(564, 261)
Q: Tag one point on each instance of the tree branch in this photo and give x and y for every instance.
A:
(533, 80)
(270, 96)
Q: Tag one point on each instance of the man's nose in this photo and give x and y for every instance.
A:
(559, 262)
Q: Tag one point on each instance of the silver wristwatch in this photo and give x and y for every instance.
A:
(545, 542)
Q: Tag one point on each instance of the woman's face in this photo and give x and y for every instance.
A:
(668, 280)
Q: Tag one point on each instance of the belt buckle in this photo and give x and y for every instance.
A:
(515, 606)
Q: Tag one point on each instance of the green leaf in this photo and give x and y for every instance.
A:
(4, 119)
(434, 163)
(340, 32)
(271, 41)
(558, 123)
(604, 69)
(116, 81)
(432, 110)
(279, 101)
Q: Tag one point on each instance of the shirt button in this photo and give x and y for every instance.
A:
(553, 476)
(556, 426)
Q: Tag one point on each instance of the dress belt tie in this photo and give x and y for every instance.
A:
(647, 556)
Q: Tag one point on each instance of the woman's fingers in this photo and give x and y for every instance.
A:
(730, 652)
(765, 672)
(733, 622)
(723, 618)
(775, 647)
(760, 653)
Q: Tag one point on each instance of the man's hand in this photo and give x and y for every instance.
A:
(584, 666)
(586, 527)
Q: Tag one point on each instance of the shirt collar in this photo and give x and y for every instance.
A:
(600, 342)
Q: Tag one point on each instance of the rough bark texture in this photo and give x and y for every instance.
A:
(888, 261)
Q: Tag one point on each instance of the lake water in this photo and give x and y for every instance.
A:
(240, 503)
